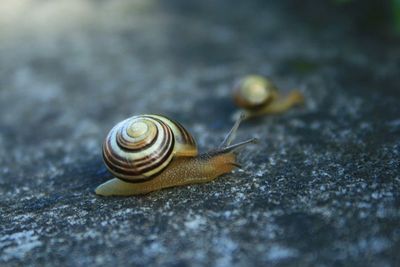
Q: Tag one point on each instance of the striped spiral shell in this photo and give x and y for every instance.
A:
(253, 92)
(140, 147)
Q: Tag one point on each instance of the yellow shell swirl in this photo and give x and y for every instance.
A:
(140, 147)
(253, 92)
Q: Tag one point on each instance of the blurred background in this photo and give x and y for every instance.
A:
(71, 69)
(116, 51)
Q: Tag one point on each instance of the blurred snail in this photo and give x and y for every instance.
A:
(150, 152)
(256, 96)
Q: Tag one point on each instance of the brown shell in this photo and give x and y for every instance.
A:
(253, 92)
(140, 147)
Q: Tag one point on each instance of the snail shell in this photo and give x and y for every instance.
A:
(253, 92)
(140, 147)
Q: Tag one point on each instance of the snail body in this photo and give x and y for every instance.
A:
(256, 96)
(150, 152)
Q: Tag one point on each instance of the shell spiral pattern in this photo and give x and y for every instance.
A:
(140, 147)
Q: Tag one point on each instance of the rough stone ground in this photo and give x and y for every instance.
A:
(320, 189)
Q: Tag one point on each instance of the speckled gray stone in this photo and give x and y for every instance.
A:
(322, 187)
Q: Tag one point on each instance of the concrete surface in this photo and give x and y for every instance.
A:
(320, 189)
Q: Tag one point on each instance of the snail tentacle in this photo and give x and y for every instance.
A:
(232, 133)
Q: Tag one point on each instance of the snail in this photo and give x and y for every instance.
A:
(257, 96)
(150, 152)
